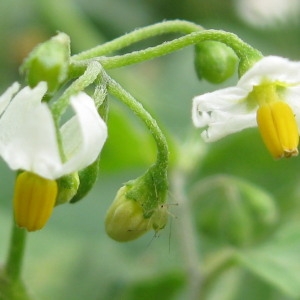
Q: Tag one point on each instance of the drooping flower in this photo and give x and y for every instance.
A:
(267, 96)
(29, 143)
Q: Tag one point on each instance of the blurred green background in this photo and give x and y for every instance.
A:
(72, 258)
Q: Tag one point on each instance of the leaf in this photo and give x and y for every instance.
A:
(278, 260)
(129, 143)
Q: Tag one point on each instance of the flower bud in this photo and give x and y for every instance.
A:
(67, 188)
(48, 62)
(125, 219)
(214, 61)
(34, 199)
(138, 207)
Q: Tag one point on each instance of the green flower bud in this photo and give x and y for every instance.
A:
(125, 219)
(214, 61)
(235, 211)
(67, 188)
(138, 207)
(48, 62)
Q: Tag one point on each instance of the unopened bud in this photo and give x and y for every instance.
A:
(214, 61)
(48, 62)
(125, 219)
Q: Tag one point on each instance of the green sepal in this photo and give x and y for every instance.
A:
(214, 61)
(87, 179)
(247, 63)
(67, 188)
(150, 190)
(48, 62)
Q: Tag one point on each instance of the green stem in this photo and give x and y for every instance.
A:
(58, 108)
(242, 50)
(87, 78)
(11, 285)
(139, 35)
(162, 147)
(14, 262)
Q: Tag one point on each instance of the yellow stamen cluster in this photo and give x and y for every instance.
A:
(278, 129)
(275, 120)
(34, 199)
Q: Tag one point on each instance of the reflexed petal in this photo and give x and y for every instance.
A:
(27, 134)
(230, 100)
(222, 124)
(84, 135)
(271, 68)
(7, 95)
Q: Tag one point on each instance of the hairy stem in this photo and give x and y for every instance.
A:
(242, 50)
(119, 92)
(175, 26)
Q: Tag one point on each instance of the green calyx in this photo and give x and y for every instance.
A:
(149, 190)
(87, 179)
(247, 62)
(49, 62)
(67, 188)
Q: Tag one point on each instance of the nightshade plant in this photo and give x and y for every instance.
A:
(57, 162)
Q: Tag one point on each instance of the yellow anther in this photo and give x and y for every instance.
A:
(278, 128)
(34, 199)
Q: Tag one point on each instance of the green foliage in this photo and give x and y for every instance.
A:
(128, 143)
(89, 265)
(277, 261)
(233, 211)
(163, 287)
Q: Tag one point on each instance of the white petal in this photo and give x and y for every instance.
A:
(83, 136)
(7, 95)
(230, 100)
(224, 112)
(268, 12)
(222, 124)
(27, 134)
(271, 68)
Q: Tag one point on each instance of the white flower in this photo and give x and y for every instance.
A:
(268, 12)
(28, 138)
(254, 101)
